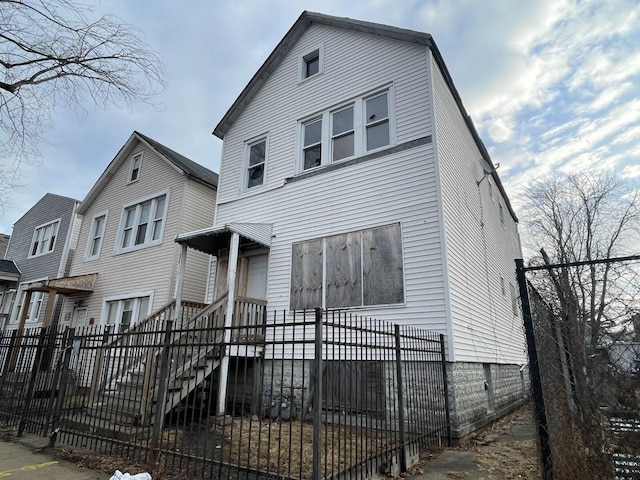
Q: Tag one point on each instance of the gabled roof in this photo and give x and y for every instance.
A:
(48, 197)
(307, 19)
(293, 35)
(188, 167)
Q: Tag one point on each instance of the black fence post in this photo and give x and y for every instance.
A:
(161, 400)
(317, 399)
(62, 371)
(445, 384)
(401, 430)
(534, 372)
(32, 381)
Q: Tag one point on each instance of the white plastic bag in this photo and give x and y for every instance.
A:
(118, 475)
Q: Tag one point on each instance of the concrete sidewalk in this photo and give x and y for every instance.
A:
(22, 462)
(507, 450)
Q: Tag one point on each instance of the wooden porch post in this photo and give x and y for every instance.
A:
(48, 313)
(179, 282)
(228, 320)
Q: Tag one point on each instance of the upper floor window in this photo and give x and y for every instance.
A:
(362, 126)
(311, 63)
(44, 239)
(142, 224)
(501, 213)
(256, 159)
(94, 245)
(134, 170)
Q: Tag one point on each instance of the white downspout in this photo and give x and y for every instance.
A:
(228, 320)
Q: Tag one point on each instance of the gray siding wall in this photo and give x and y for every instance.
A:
(49, 208)
(480, 248)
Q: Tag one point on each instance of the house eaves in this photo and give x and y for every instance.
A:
(303, 22)
(181, 163)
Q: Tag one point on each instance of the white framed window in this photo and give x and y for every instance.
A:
(122, 312)
(377, 121)
(96, 236)
(33, 309)
(255, 154)
(142, 223)
(501, 213)
(342, 134)
(134, 169)
(44, 238)
(356, 128)
(312, 143)
(312, 63)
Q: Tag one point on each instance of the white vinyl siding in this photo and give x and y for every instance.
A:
(378, 192)
(371, 63)
(479, 248)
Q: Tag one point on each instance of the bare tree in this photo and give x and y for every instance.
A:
(581, 218)
(52, 53)
(585, 305)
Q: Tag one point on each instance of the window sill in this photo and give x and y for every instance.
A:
(381, 152)
(136, 248)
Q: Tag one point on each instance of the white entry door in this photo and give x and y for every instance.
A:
(257, 277)
(79, 317)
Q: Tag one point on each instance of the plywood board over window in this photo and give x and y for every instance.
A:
(352, 269)
(382, 265)
(344, 268)
(306, 275)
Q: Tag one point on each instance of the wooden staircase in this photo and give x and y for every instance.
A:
(195, 351)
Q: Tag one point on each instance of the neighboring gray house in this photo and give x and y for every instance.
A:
(352, 177)
(42, 245)
(125, 267)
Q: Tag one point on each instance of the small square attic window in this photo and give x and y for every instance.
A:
(311, 63)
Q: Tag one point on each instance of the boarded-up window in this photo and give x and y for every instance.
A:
(306, 275)
(382, 265)
(360, 268)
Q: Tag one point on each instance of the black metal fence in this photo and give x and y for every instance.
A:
(308, 395)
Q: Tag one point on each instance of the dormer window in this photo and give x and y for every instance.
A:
(134, 171)
(311, 64)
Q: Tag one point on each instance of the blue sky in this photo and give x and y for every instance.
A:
(551, 85)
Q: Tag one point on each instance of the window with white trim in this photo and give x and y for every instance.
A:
(44, 239)
(142, 224)
(134, 169)
(33, 309)
(255, 162)
(361, 268)
(364, 125)
(123, 313)
(96, 235)
(311, 64)
(501, 213)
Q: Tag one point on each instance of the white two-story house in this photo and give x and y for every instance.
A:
(353, 178)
